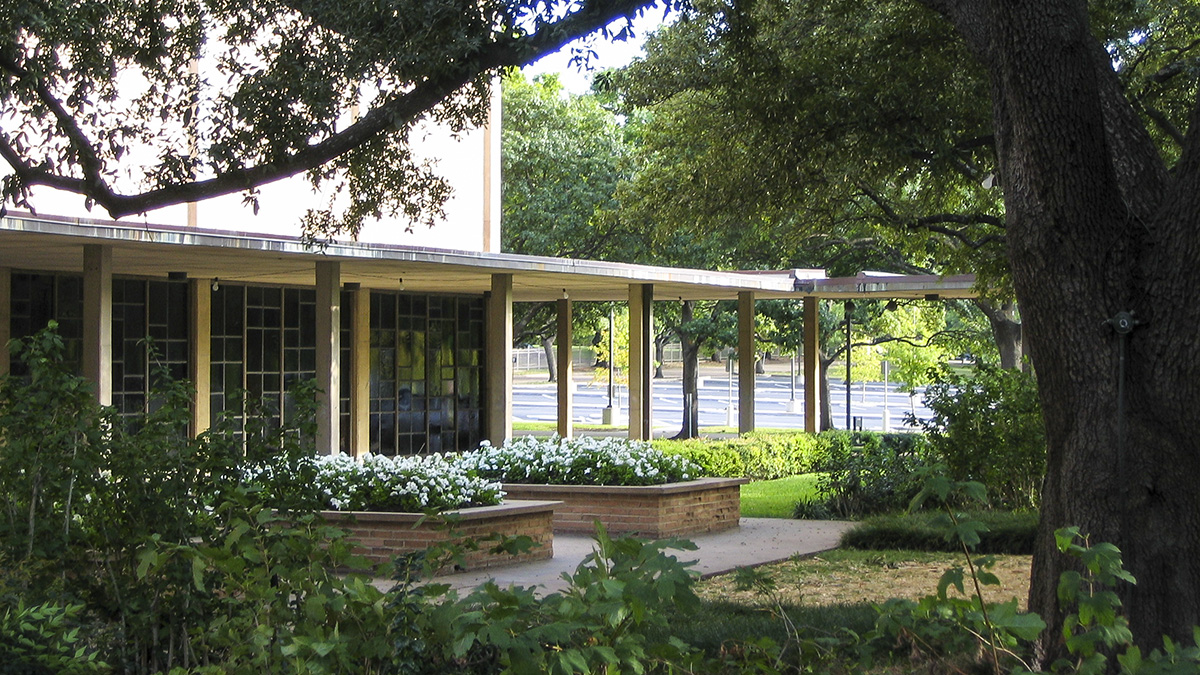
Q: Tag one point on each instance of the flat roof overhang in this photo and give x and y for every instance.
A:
(901, 286)
(47, 243)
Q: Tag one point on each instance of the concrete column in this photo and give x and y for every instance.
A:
(360, 373)
(812, 365)
(97, 319)
(746, 354)
(200, 352)
(566, 382)
(641, 359)
(499, 378)
(329, 352)
(5, 318)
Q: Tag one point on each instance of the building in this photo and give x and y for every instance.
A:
(406, 334)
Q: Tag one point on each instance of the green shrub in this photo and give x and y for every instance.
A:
(45, 639)
(865, 472)
(175, 561)
(1006, 532)
(987, 427)
(777, 455)
(714, 457)
(756, 455)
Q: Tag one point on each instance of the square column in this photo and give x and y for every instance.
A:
(329, 351)
(97, 319)
(566, 381)
(641, 359)
(812, 364)
(200, 352)
(360, 372)
(499, 379)
(746, 359)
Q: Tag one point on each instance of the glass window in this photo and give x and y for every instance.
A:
(425, 373)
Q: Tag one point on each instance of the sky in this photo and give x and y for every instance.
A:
(609, 54)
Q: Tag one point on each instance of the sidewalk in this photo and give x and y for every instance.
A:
(757, 542)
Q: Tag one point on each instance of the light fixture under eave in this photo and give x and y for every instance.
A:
(565, 295)
(401, 283)
(892, 306)
(216, 284)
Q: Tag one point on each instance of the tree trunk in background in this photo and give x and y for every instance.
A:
(551, 357)
(826, 401)
(691, 369)
(1006, 332)
(660, 348)
(1096, 225)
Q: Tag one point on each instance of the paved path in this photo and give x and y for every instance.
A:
(758, 541)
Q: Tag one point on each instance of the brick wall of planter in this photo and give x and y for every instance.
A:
(383, 536)
(656, 511)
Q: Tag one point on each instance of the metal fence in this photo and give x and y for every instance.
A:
(534, 358)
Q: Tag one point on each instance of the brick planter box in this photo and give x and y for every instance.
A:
(383, 536)
(655, 511)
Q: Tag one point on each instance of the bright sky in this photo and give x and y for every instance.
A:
(609, 54)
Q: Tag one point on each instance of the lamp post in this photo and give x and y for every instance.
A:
(848, 308)
(607, 416)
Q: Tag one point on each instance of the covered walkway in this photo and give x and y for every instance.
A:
(338, 284)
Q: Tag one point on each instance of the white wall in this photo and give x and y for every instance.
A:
(471, 162)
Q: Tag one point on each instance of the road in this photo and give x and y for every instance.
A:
(536, 401)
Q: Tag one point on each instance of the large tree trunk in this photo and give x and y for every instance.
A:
(551, 357)
(1006, 332)
(1096, 226)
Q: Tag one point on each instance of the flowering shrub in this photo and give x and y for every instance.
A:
(377, 483)
(578, 461)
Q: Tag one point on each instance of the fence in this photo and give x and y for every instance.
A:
(534, 358)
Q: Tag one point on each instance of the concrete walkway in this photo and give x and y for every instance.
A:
(758, 541)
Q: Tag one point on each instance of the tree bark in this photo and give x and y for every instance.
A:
(551, 357)
(660, 348)
(826, 401)
(1096, 226)
(1006, 332)
(691, 368)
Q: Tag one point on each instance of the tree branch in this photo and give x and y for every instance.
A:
(937, 222)
(402, 108)
(89, 161)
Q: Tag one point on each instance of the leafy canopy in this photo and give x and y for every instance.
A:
(139, 105)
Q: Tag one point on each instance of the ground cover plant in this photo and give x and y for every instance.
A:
(577, 461)
(416, 484)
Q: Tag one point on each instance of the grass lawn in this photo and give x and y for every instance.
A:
(777, 498)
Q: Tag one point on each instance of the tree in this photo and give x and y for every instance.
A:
(562, 157)
(1101, 221)
(815, 133)
(99, 100)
